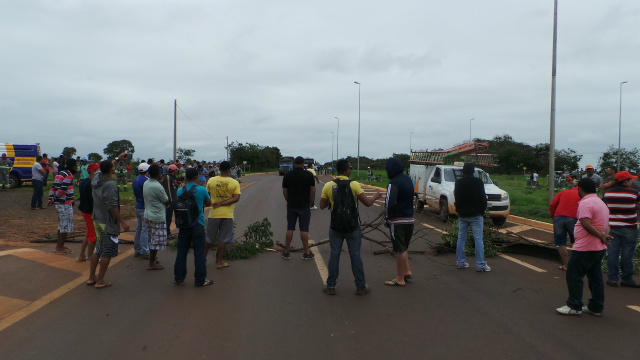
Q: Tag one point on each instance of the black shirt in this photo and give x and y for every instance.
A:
(86, 197)
(471, 199)
(298, 183)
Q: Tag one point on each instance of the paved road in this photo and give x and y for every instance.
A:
(269, 308)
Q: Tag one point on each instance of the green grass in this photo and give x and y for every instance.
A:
(525, 202)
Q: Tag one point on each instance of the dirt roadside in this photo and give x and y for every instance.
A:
(20, 225)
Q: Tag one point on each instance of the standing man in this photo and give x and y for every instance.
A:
(225, 193)
(61, 194)
(470, 203)
(299, 190)
(398, 210)
(155, 215)
(193, 237)
(141, 239)
(86, 210)
(610, 179)
(84, 173)
(5, 170)
(170, 185)
(45, 167)
(592, 237)
(106, 221)
(342, 196)
(122, 175)
(313, 172)
(563, 209)
(590, 174)
(37, 181)
(623, 202)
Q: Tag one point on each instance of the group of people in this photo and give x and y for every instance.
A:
(597, 226)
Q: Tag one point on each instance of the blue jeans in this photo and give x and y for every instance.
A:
(38, 191)
(625, 241)
(141, 239)
(584, 263)
(563, 225)
(193, 237)
(477, 224)
(354, 241)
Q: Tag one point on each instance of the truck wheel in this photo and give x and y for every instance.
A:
(444, 210)
(499, 221)
(14, 181)
(419, 204)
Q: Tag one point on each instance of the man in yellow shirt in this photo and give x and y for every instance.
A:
(224, 192)
(343, 195)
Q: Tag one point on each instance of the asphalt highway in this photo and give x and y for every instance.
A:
(270, 308)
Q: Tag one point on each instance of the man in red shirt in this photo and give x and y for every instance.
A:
(563, 210)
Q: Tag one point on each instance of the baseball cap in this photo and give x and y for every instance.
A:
(298, 160)
(84, 159)
(588, 167)
(624, 175)
(143, 167)
(93, 167)
(225, 165)
(172, 167)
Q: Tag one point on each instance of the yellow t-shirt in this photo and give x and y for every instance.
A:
(221, 189)
(327, 190)
(312, 171)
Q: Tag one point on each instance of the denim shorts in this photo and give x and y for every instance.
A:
(294, 214)
(563, 225)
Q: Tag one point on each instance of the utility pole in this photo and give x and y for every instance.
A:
(175, 128)
(552, 125)
(227, 148)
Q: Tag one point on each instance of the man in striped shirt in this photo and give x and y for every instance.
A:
(623, 202)
(61, 194)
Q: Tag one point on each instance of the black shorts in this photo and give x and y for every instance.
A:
(294, 214)
(401, 236)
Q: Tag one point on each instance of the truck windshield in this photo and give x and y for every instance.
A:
(456, 173)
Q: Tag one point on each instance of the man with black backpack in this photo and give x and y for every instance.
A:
(189, 219)
(342, 196)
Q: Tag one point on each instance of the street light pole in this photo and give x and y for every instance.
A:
(332, 138)
(338, 139)
(470, 129)
(552, 117)
(410, 147)
(620, 124)
(355, 82)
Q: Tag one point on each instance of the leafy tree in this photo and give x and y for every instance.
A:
(258, 156)
(183, 155)
(629, 159)
(68, 152)
(114, 148)
(95, 157)
(567, 159)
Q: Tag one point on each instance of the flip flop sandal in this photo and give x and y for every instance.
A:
(102, 286)
(79, 259)
(89, 283)
(223, 266)
(408, 277)
(393, 282)
(157, 267)
(63, 252)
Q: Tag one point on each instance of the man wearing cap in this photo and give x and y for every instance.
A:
(5, 170)
(61, 194)
(170, 185)
(592, 236)
(141, 239)
(590, 174)
(470, 203)
(122, 174)
(623, 202)
(299, 190)
(86, 210)
(225, 193)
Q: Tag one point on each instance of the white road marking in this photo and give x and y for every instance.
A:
(634, 307)
(320, 264)
(534, 268)
(433, 227)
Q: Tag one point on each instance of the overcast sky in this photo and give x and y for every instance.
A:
(277, 73)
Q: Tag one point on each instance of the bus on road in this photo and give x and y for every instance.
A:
(286, 165)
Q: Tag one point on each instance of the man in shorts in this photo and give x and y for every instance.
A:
(299, 190)
(106, 221)
(398, 208)
(61, 194)
(225, 193)
(86, 210)
(563, 209)
(155, 205)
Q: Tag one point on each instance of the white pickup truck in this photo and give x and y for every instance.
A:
(434, 185)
